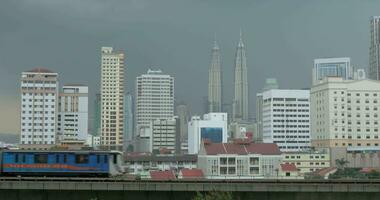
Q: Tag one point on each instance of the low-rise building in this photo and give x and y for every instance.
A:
(289, 171)
(307, 161)
(357, 157)
(190, 174)
(239, 160)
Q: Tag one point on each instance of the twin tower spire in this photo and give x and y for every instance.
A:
(240, 110)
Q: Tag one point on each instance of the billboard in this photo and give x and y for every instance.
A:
(215, 135)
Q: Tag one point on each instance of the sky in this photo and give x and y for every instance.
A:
(282, 38)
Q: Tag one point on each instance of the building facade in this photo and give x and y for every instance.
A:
(345, 113)
(96, 129)
(332, 67)
(239, 161)
(212, 127)
(286, 119)
(183, 113)
(215, 81)
(112, 98)
(240, 109)
(374, 48)
(164, 134)
(73, 113)
(307, 161)
(128, 121)
(39, 101)
(154, 98)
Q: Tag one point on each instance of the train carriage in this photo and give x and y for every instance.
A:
(61, 163)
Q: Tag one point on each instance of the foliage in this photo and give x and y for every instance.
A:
(373, 175)
(341, 163)
(214, 195)
(352, 173)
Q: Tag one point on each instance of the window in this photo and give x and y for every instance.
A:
(40, 158)
(105, 159)
(57, 158)
(97, 158)
(16, 158)
(114, 159)
(81, 159)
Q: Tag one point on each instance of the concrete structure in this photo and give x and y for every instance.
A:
(374, 48)
(345, 113)
(129, 122)
(39, 101)
(73, 113)
(183, 113)
(332, 67)
(307, 161)
(93, 141)
(357, 157)
(96, 121)
(164, 134)
(286, 119)
(215, 81)
(154, 98)
(240, 129)
(239, 161)
(212, 127)
(240, 109)
(112, 98)
(140, 164)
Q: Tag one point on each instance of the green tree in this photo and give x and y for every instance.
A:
(341, 163)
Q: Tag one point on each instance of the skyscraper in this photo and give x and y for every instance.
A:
(240, 102)
(97, 116)
(39, 101)
(183, 113)
(112, 98)
(374, 48)
(154, 98)
(128, 121)
(215, 81)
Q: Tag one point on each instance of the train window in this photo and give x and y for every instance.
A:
(105, 159)
(16, 158)
(114, 158)
(40, 158)
(81, 159)
(57, 158)
(23, 158)
(65, 158)
(97, 158)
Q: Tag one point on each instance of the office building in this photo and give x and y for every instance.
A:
(112, 98)
(286, 119)
(213, 128)
(331, 67)
(240, 109)
(374, 48)
(39, 101)
(154, 98)
(183, 113)
(215, 81)
(164, 135)
(128, 121)
(73, 114)
(345, 113)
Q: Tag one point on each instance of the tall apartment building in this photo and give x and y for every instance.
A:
(345, 113)
(154, 98)
(112, 98)
(164, 134)
(286, 119)
(332, 67)
(39, 100)
(374, 48)
(73, 114)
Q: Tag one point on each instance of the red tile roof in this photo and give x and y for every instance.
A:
(288, 167)
(41, 70)
(162, 175)
(326, 171)
(242, 149)
(191, 173)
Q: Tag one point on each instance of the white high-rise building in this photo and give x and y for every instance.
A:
(286, 119)
(39, 100)
(73, 113)
(112, 98)
(345, 113)
(332, 67)
(212, 127)
(154, 98)
(374, 48)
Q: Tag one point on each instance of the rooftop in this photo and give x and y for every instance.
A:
(40, 70)
(288, 167)
(162, 175)
(191, 173)
(242, 149)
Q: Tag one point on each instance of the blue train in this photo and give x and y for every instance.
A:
(60, 163)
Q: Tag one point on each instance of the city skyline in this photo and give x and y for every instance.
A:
(64, 61)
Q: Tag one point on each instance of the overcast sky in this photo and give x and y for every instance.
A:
(282, 37)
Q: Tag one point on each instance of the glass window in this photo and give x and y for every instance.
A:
(81, 159)
(40, 158)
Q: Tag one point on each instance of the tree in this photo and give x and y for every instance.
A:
(341, 163)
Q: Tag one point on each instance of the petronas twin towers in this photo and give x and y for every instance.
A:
(240, 100)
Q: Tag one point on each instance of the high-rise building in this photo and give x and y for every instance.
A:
(374, 48)
(286, 119)
(96, 129)
(183, 113)
(345, 113)
(215, 81)
(154, 98)
(164, 134)
(213, 127)
(240, 102)
(331, 67)
(39, 101)
(128, 121)
(73, 113)
(112, 98)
